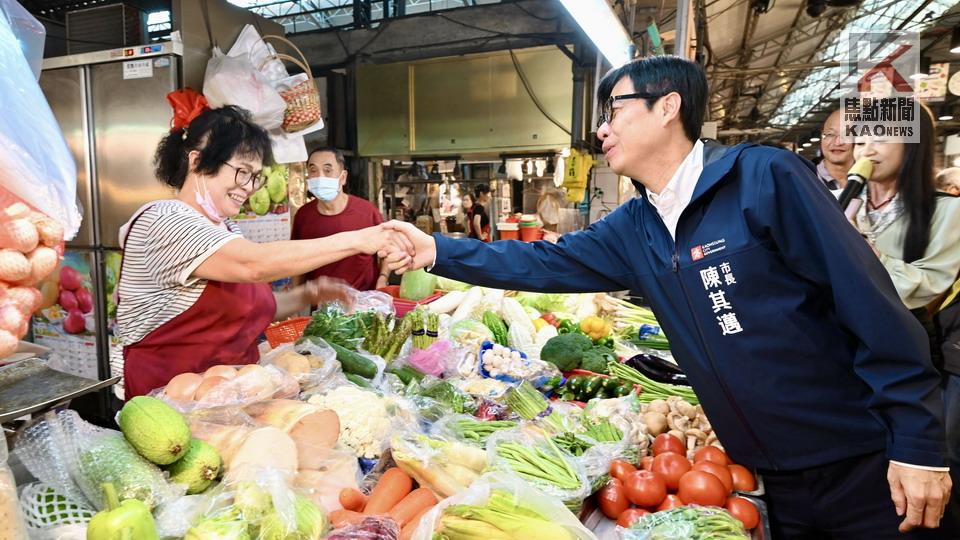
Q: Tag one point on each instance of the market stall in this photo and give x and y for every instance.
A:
(442, 410)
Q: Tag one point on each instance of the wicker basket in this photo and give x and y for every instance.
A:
(286, 331)
(303, 100)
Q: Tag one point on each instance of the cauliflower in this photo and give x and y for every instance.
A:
(501, 361)
(365, 420)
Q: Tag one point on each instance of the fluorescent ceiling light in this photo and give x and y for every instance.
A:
(945, 117)
(814, 139)
(807, 145)
(597, 20)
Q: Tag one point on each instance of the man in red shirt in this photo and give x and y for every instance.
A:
(333, 211)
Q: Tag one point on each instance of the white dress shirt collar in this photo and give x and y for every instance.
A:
(672, 200)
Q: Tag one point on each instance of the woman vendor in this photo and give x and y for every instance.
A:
(193, 293)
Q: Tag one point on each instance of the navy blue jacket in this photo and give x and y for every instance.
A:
(785, 322)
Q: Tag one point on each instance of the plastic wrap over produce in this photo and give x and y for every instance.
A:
(500, 505)
(75, 458)
(35, 163)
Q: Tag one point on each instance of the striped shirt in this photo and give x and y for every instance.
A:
(167, 241)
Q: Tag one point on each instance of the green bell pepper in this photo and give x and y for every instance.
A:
(567, 326)
(606, 342)
(127, 520)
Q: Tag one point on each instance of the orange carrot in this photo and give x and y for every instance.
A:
(392, 487)
(406, 533)
(352, 499)
(342, 518)
(411, 505)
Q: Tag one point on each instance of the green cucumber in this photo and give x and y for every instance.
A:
(354, 363)
(358, 380)
(407, 374)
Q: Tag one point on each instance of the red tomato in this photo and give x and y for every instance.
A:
(745, 511)
(703, 488)
(672, 501)
(612, 499)
(646, 463)
(666, 442)
(711, 453)
(631, 516)
(645, 488)
(620, 469)
(671, 466)
(717, 470)
(743, 479)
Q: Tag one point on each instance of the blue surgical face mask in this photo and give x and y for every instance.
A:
(324, 188)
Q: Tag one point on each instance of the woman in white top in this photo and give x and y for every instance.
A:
(193, 292)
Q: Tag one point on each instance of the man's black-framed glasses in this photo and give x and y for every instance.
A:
(607, 110)
(242, 177)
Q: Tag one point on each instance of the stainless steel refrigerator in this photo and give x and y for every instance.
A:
(113, 111)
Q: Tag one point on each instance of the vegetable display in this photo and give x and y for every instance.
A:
(486, 414)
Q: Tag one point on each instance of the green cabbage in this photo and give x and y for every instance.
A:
(228, 526)
(417, 285)
(311, 523)
(450, 285)
(543, 302)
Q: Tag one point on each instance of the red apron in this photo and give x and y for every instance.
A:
(222, 327)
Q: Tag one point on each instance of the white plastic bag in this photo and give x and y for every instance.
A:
(29, 32)
(35, 163)
(234, 80)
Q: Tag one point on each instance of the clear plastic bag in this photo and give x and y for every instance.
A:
(367, 419)
(552, 512)
(29, 32)
(377, 301)
(312, 363)
(251, 384)
(75, 458)
(13, 527)
(445, 466)
(506, 450)
(175, 518)
(469, 429)
(371, 528)
(262, 506)
(687, 523)
(339, 470)
(235, 80)
(35, 164)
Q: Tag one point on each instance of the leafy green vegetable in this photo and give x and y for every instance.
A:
(334, 326)
(566, 351)
(447, 394)
(543, 302)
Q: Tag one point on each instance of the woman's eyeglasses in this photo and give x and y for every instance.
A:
(242, 177)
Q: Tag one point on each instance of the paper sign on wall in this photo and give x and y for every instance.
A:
(138, 69)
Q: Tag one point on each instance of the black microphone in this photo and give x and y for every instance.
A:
(856, 179)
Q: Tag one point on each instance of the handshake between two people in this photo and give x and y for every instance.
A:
(403, 246)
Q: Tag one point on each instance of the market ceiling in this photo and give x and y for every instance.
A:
(773, 66)
(55, 9)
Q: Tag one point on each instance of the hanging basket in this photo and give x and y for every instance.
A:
(303, 100)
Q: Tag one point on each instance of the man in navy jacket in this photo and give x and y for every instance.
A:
(808, 365)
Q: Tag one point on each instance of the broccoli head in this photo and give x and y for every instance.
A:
(566, 351)
(596, 359)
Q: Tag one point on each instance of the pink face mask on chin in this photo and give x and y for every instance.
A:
(206, 202)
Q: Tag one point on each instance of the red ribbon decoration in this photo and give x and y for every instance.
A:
(187, 104)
